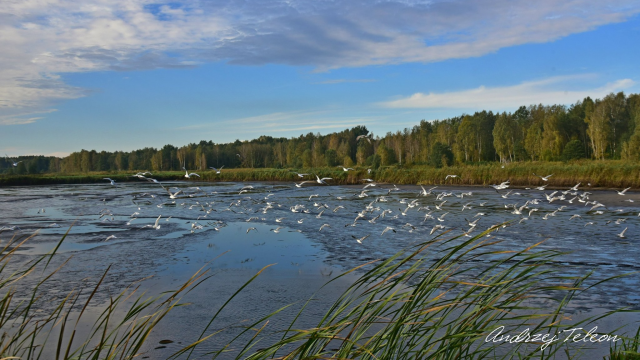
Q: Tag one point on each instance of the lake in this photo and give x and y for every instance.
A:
(235, 231)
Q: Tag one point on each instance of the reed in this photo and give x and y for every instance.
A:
(437, 300)
(600, 174)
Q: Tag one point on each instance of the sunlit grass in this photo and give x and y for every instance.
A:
(610, 173)
(436, 300)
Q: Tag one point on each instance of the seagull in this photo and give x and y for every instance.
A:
(621, 235)
(174, 195)
(438, 226)
(110, 237)
(345, 168)
(113, 182)
(302, 183)
(13, 163)
(301, 175)
(364, 137)
(322, 181)
(154, 226)
(217, 170)
(251, 228)
(623, 191)
(360, 240)
(387, 229)
(544, 178)
(187, 175)
(450, 176)
(276, 230)
(324, 226)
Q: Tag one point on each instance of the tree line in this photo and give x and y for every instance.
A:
(607, 128)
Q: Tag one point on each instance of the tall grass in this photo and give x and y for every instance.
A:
(610, 173)
(437, 300)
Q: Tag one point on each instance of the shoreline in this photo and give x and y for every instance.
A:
(604, 175)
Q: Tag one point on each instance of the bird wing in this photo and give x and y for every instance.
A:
(157, 221)
(325, 179)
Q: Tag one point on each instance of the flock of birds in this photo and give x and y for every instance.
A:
(431, 205)
(383, 212)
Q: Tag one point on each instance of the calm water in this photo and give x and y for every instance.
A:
(205, 222)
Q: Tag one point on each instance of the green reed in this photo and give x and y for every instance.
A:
(436, 300)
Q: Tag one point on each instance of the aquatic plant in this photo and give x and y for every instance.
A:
(437, 300)
(610, 173)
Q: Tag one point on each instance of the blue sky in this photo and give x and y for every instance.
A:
(126, 74)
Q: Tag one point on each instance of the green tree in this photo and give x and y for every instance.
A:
(441, 155)
(331, 157)
(573, 150)
(504, 134)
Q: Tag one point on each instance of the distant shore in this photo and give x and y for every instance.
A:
(593, 174)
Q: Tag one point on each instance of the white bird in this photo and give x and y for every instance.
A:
(544, 178)
(110, 237)
(621, 235)
(324, 226)
(437, 227)
(360, 240)
(174, 195)
(322, 181)
(154, 226)
(364, 137)
(251, 228)
(450, 176)
(276, 230)
(302, 183)
(13, 163)
(345, 168)
(387, 229)
(301, 175)
(623, 191)
(113, 182)
(188, 176)
(217, 170)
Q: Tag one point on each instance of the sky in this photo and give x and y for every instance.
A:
(128, 74)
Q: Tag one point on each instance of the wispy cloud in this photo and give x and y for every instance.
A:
(22, 118)
(41, 39)
(286, 123)
(555, 90)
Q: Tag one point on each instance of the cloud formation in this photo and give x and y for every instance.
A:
(42, 39)
(553, 90)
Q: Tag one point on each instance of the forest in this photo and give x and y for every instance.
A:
(601, 129)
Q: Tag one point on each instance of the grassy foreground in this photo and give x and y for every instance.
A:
(603, 174)
(409, 306)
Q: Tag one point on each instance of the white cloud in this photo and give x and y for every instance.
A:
(286, 123)
(555, 90)
(41, 39)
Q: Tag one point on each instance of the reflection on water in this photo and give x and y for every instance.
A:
(236, 233)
